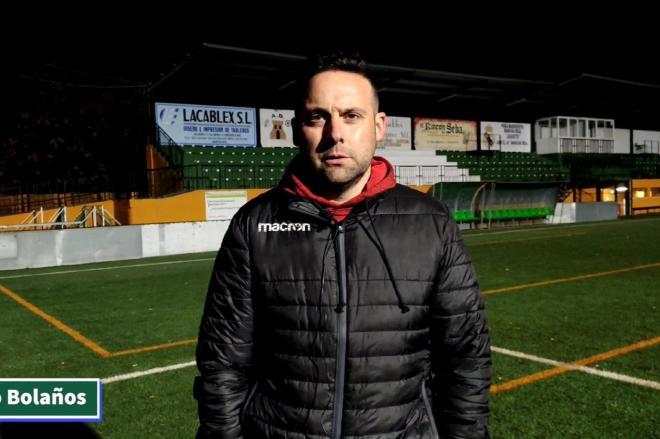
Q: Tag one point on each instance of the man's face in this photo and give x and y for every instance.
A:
(340, 127)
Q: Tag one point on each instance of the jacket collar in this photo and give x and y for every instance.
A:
(293, 183)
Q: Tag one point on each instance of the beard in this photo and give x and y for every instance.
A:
(342, 176)
(325, 178)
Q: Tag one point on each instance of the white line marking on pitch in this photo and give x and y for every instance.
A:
(557, 227)
(154, 371)
(183, 261)
(590, 370)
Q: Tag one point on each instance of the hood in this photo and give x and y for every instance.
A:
(381, 179)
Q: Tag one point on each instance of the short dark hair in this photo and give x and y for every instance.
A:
(340, 61)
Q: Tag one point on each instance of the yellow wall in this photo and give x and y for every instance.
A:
(647, 203)
(179, 208)
(584, 195)
(648, 182)
(423, 188)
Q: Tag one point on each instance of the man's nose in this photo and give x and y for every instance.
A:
(336, 129)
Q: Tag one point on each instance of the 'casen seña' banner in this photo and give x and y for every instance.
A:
(43, 399)
(207, 125)
(445, 134)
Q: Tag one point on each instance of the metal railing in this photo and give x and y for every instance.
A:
(49, 195)
(586, 146)
(171, 150)
(420, 175)
(648, 147)
(89, 216)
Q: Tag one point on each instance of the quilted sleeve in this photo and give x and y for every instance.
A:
(460, 344)
(224, 349)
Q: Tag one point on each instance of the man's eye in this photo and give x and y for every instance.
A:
(315, 118)
(352, 116)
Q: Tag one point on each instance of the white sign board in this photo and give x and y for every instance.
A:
(206, 125)
(445, 134)
(276, 127)
(398, 133)
(506, 136)
(223, 205)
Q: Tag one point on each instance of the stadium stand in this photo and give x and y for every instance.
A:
(609, 166)
(509, 166)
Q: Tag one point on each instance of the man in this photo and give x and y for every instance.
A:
(341, 304)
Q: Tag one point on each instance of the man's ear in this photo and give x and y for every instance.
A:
(297, 131)
(381, 124)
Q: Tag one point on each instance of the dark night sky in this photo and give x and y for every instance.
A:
(121, 47)
(80, 56)
(140, 47)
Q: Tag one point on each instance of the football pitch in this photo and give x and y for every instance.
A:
(573, 313)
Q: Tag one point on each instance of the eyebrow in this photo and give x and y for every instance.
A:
(354, 110)
(341, 111)
(315, 110)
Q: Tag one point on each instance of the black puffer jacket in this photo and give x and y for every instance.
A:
(357, 330)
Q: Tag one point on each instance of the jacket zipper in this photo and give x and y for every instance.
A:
(340, 371)
(340, 367)
(429, 412)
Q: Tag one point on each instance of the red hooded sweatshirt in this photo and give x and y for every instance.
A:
(381, 179)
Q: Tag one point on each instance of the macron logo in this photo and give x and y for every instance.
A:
(284, 227)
